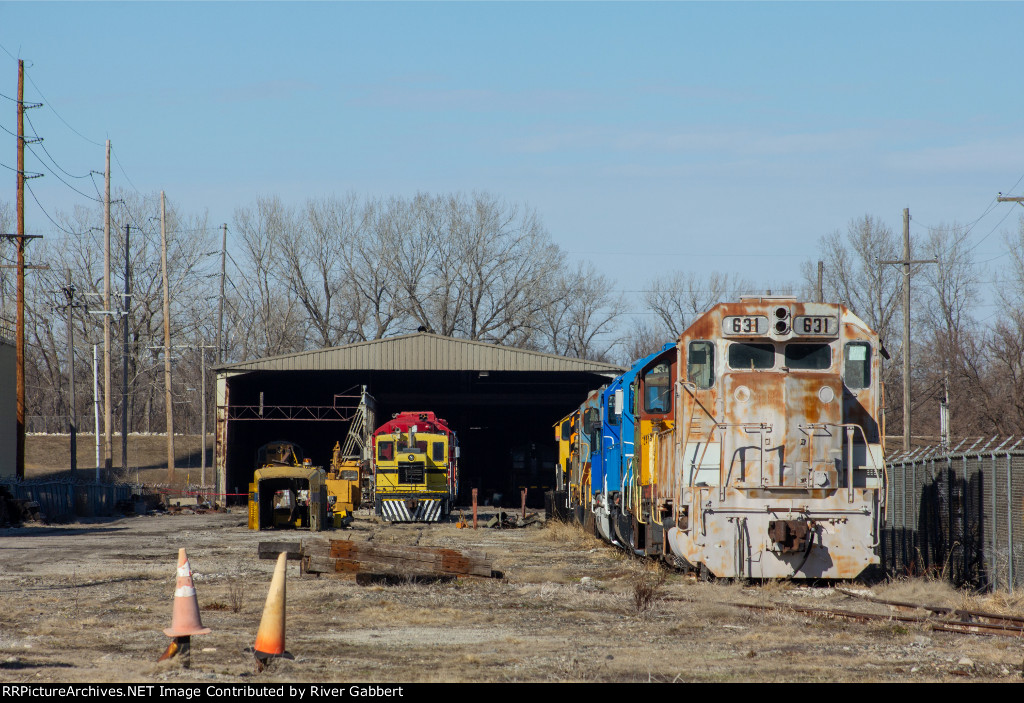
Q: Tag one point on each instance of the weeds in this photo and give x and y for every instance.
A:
(646, 590)
(236, 596)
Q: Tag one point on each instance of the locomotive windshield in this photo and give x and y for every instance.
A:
(809, 357)
(700, 364)
(751, 356)
(857, 365)
(656, 390)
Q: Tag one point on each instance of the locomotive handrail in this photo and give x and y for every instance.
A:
(850, 427)
(654, 484)
(746, 427)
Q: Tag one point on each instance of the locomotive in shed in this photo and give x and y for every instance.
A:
(415, 468)
(757, 443)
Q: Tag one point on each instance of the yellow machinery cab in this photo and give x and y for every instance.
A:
(288, 497)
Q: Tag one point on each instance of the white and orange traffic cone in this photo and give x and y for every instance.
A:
(185, 620)
(270, 637)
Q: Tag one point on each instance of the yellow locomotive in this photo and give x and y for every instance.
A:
(415, 468)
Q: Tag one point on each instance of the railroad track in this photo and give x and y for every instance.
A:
(966, 622)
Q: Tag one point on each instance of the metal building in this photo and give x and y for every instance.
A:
(501, 402)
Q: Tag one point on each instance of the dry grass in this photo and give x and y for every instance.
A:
(567, 534)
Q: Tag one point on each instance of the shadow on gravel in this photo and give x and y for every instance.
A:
(85, 584)
(18, 664)
(43, 531)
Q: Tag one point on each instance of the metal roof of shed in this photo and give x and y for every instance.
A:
(421, 351)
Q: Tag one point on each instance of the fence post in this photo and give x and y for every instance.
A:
(993, 563)
(1010, 578)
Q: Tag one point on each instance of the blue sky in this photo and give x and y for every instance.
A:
(649, 136)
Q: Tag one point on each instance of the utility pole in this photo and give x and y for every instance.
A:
(20, 334)
(21, 237)
(124, 352)
(70, 305)
(202, 390)
(944, 413)
(108, 419)
(820, 291)
(96, 406)
(167, 344)
(220, 301)
(905, 262)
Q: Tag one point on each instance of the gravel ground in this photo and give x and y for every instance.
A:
(87, 602)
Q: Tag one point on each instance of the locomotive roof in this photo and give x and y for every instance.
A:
(424, 421)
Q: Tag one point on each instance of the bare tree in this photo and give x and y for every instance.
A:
(946, 326)
(267, 301)
(677, 298)
(853, 275)
(580, 315)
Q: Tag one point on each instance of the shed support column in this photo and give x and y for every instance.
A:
(220, 443)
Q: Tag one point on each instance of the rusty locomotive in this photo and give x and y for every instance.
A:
(749, 448)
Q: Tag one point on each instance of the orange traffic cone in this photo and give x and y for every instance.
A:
(270, 636)
(185, 617)
(185, 620)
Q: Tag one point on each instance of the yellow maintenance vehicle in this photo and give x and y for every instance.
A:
(287, 491)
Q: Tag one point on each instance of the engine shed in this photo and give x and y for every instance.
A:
(501, 402)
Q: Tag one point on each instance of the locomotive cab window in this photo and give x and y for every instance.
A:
(657, 390)
(566, 430)
(857, 364)
(612, 417)
(438, 451)
(744, 356)
(700, 364)
(808, 357)
(386, 451)
(590, 418)
(421, 446)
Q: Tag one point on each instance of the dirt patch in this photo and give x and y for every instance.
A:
(87, 602)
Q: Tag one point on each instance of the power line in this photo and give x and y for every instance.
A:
(43, 146)
(55, 175)
(8, 53)
(33, 194)
(47, 103)
(991, 231)
(123, 172)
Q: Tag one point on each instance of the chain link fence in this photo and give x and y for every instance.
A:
(956, 514)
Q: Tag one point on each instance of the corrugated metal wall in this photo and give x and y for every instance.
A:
(957, 514)
(58, 498)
